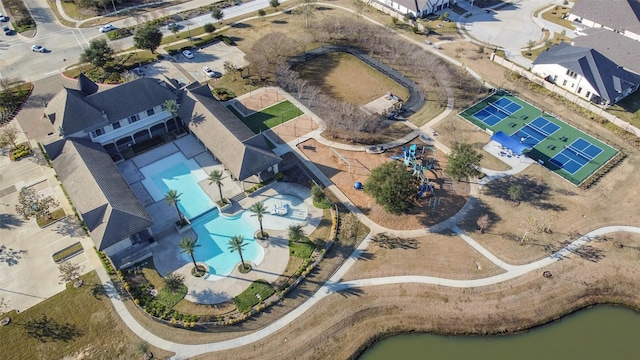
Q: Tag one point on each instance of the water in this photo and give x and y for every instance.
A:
(602, 332)
(214, 232)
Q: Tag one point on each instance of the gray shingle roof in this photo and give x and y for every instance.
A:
(615, 14)
(619, 48)
(603, 74)
(100, 194)
(131, 98)
(241, 151)
(74, 111)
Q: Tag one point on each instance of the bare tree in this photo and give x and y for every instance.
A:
(547, 219)
(483, 223)
(270, 51)
(529, 226)
(69, 272)
(306, 10)
(8, 136)
(30, 204)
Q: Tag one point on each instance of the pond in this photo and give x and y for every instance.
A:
(602, 332)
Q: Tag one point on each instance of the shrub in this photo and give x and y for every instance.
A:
(223, 94)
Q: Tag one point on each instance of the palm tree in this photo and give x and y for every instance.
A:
(173, 198)
(296, 233)
(259, 209)
(171, 107)
(215, 177)
(188, 245)
(236, 243)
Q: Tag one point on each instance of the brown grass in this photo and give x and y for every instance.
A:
(344, 77)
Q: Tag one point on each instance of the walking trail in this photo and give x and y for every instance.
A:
(334, 284)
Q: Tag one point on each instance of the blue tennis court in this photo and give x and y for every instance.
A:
(573, 157)
(495, 112)
(536, 131)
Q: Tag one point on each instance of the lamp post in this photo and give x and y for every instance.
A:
(114, 7)
(189, 32)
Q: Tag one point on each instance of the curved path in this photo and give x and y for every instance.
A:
(334, 285)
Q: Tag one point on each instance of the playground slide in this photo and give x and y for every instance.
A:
(421, 190)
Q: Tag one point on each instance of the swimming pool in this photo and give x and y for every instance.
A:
(214, 232)
(178, 173)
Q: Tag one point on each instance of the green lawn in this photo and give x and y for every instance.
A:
(301, 249)
(551, 146)
(248, 298)
(269, 117)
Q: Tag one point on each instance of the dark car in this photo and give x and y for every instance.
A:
(7, 30)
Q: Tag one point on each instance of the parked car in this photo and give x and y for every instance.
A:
(188, 54)
(3, 18)
(7, 30)
(170, 26)
(38, 48)
(210, 73)
(107, 28)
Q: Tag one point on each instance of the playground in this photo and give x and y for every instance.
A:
(440, 196)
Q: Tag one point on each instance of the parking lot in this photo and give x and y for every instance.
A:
(185, 70)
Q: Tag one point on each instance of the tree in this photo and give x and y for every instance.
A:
(209, 27)
(463, 161)
(174, 282)
(236, 243)
(30, 204)
(262, 13)
(392, 186)
(515, 192)
(229, 67)
(171, 107)
(148, 37)
(174, 30)
(296, 232)
(98, 53)
(483, 222)
(529, 226)
(531, 44)
(548, 219)
(274, 4)
(69, 272)
(188, 245)
(8, 136)
(215, 177)
(172, 197)
(317, 193)
(306, 9)
(259, 209)
(217, 13)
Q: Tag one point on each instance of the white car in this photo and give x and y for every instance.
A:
(38, 48)
(188, 54)
(210, 73)
(107, 28)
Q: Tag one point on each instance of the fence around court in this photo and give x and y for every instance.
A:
(567, 94)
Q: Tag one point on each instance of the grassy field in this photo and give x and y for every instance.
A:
(555, 16)
(628, 109)
(73, 323)
(270, 117)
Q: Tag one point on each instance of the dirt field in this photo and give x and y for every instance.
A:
(345, 78)
(452, 194)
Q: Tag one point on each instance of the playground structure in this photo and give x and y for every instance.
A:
(419, 166)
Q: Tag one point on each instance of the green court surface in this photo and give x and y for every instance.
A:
(558, 146)
(270, 117)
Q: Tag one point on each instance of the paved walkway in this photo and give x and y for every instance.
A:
(334, 284)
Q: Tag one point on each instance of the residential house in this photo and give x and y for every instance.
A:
(417, 8)
(620, 16)
(586, 73)
(620, 49)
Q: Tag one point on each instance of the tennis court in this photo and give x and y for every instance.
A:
(553, 143)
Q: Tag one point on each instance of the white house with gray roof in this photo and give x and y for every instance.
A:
(586, 73)
(417, 8)
(620, 16)
(620, 49)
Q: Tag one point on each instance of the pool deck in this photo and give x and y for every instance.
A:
(167, 257)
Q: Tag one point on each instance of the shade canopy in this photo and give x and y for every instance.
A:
(510, 143)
